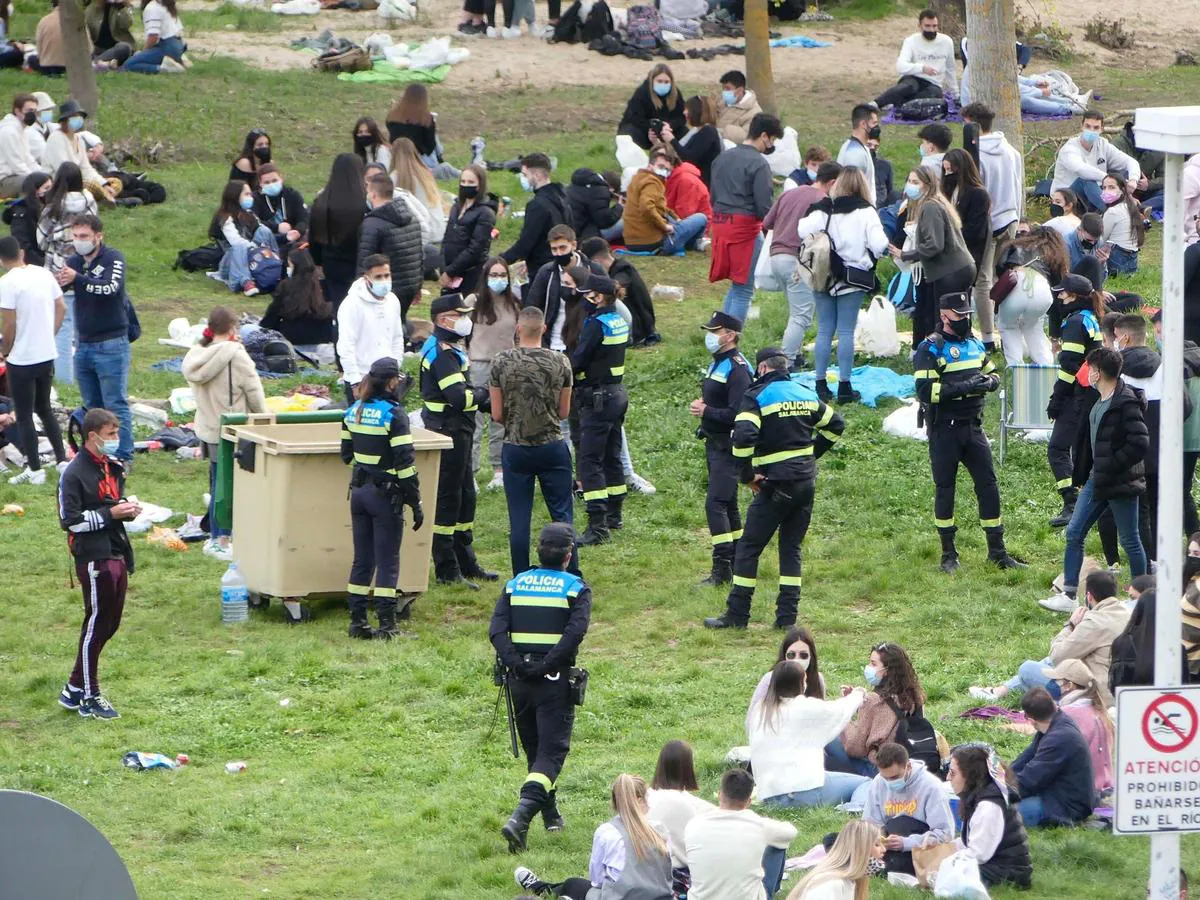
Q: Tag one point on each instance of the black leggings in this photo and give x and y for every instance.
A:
(30, 386)
(489, 11)
(575, 888)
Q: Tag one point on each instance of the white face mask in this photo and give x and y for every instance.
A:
(462, 326)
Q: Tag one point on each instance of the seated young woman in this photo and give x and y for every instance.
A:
(237, 231)
(299, 310)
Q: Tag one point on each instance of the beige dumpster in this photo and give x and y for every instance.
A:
(291, 514)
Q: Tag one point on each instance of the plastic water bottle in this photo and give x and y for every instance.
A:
(235, 596)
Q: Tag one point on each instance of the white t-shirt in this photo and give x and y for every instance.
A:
(32, 292)
(724, 852)
(156, 20)
(673, 810)
(556, 330)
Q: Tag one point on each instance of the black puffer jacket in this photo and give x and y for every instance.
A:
(591, 204)
(24, 228)
(393, 231)
(1117, 463)
(548, 208)
(468, 241)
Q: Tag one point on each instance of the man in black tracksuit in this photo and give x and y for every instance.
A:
(549, 207)
(450, 403)
(780, 432)
(721, 394)
(538, 624)
(954, 376)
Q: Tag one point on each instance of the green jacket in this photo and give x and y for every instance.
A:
(120, 21)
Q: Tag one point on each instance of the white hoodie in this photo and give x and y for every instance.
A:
(1091, 163)
(791, 756)
(16, 159)
(1191, 198)
(1003, 172)
(916, 53)
(368, 329)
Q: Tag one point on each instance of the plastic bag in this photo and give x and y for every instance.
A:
(786, 158)
(876, 333)
(902, 422)
(182, 401)
(403, 10)
(431, 54)
(958, 877)
(764, 275)
(629, 154)
(297, 8)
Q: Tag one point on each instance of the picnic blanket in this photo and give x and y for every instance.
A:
(625, 251)
(175, 364)
(873, 382)
(799, 40)
(954, 114)
(383, 72)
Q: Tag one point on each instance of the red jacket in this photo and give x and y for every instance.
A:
(687, 194)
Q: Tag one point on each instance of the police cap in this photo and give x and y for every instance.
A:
(1078, 285)
(448, 303)
(767, 353)
(556, 540)
(384, 369)
(959, 303)
(723, 320)
(598, 284)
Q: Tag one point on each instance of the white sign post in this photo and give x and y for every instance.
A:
(1158, 760)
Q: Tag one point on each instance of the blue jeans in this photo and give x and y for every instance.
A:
(64, 340)
(801, 303)
(1121, 261)
(235, 264)
(550, 466)
(838, 760)
(839, 787)
(148, 62)
(102, 370)
(1088, 509)
(738, 297)
(1090, 191)
(1029, 675)
(614, 233)
(685, 233)
(1032, 811)
(773, 862)
(1037, 105)
(838, 314)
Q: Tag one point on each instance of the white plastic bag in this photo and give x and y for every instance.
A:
(902, 422)
(297, 8)
(629, 154)
(764, 275)
(958, 877)
(876, 333)
(786, 158)
(403, 10)
(431, 54)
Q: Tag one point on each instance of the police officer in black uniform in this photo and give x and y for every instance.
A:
(376, 439)
(598, 362)
(721, 392)
(450, 405)
(537, 627)
(781, 429)
(954, 376)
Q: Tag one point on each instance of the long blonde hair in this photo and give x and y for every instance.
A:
(931, 191)
(412, 175)
(629, 801)
(850, 183)
(847, 860)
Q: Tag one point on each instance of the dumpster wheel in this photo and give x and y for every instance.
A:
(404, 606)
(258, 601)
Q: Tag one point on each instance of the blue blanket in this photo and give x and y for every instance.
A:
(799, 40)
(872, 382)
(175, 364)
(624, 251)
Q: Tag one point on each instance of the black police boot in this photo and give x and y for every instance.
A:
(597, 531)
(949, 553)
(551, 817)
(998, 553)
(721, 575)
(1063, 518)
(450, 573)
(387, 620)
(359, 626)
(723, 621)
(786, 606)
(824, 394)
(847, 394)
(612, 518)
(468, 564)
(533, 798)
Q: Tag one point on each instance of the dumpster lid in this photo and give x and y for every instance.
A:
(315, 437)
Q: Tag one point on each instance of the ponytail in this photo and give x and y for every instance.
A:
(628, 799)
(221, 321)
(1099, 307)
(368, 389)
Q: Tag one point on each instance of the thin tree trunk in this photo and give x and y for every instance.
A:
(758, 55)
(992, 59)
(81, 77)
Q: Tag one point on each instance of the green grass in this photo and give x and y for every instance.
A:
(229, 16)
(380, 778)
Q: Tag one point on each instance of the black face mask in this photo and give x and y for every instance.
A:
(959, 328)
(468, 191)
(1191, 568)
(563, 259)
(949, 183)
(363, 141)
(29, 117)
(1086, 244)
(929, 35)
(875, 133)
(769, 150)
(263, 154)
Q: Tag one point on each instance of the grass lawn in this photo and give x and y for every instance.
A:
(380, 779)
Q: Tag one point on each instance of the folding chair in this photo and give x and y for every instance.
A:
(1024, 393)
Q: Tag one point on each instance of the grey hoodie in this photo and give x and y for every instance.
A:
(923, 798)
(1003, 172)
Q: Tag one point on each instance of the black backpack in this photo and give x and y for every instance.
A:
(570, 24)
(916, 735)
(923, 109)
(271, 352)
(201, 259)
(599, 22)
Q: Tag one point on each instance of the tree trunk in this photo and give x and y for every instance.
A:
(758, 55)
(81, 77)
(992, 59)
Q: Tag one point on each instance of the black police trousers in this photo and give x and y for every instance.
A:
(952, 444)
(786, 507)
(454, 515)
(721, 500)
(1062, 441)
(377, 531)
(598, 465)
(545, 716)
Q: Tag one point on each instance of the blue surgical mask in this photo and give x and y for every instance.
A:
(712, 341)
(75, 123)
(912, 191)
(525, 185)
(924, 152)
(895, 785)
(46, 116)
(662, 89)
(812, 173)
(380, 288)
(871, 674)
(1087, 138)
(497, 285)
(110, 448)
(246, 203)
(729, 98)
(274, 189)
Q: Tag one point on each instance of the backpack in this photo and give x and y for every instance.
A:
(134, 323)
(902, 292)
(356, 59)
(643, 27)
(266, 268)
(815, 259)
(75, 428)
(569, 25)
(923, 109)
(598, 23)
(271, 351)
(201, 259)
(917, 736)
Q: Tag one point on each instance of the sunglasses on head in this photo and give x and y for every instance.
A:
(881, 648)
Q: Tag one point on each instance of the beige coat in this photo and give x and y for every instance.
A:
(734, 121)
(1091, 640)
(223, 380)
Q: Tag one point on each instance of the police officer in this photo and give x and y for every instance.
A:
(537, 627)
(598, 362)
(376, 439)
(781, 429)
(720, 398)
(450, 404)
(954, 376)
(1080, 307)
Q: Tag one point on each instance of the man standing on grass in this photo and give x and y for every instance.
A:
(92, 509)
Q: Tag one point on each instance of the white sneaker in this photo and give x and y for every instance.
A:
(62, 466)
(983, 693)
(1083, 101)
(493, 32)
(216, 551)
(28, 476)
(497, 482)
(170, 65)
(1059, 603)
(641, 485)
(510, 33)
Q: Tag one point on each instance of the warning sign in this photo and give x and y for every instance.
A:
(1158, 760)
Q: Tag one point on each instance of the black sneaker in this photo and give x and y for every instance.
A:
(530, 882)
(97, 708)
(70, 697)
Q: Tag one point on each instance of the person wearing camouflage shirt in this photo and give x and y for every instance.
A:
(531, 396)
